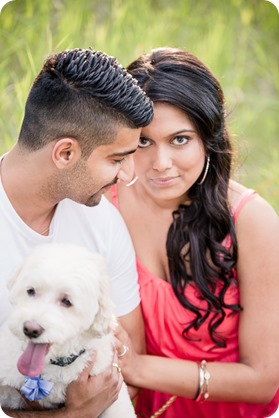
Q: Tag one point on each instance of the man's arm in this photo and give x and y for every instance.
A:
(134, 326)
(87, 397)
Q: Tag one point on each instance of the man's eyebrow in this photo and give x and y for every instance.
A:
(122, 154)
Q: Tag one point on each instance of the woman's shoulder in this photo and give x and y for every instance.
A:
(237, 192)
(239, 196)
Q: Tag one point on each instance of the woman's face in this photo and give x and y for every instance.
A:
(170, 156)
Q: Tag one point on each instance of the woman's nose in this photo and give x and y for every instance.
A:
(162, 160)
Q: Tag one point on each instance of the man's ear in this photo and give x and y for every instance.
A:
(66, 152)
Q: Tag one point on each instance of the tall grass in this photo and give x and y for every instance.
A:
(237, 39)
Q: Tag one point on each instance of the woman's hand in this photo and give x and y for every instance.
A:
(128, 359)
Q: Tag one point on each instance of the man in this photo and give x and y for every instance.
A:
(82, 124)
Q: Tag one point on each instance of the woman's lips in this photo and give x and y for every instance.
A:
(163, 181)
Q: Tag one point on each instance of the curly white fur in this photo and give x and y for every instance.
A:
(65, 290)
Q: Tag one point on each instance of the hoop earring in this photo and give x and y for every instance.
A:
(132, 181)
(205, 171)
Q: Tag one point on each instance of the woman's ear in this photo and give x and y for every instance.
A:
(66, 152)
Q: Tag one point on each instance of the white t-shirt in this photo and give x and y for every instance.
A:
(99, 228)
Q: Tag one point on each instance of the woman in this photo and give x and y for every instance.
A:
(207, 250)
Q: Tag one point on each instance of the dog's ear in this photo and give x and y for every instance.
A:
(104, 321)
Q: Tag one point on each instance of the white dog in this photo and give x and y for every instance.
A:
(62, 311)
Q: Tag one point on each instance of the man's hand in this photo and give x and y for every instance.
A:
(89, 396)
(86, 397)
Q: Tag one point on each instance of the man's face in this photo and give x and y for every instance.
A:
(93, 176)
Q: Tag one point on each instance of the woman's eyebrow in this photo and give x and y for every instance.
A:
(171, 134)
(183, 130)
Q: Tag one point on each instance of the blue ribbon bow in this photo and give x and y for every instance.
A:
(35, 388)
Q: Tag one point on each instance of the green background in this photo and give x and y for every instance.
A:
(236, 39)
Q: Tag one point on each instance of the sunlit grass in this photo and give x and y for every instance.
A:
(237, 40)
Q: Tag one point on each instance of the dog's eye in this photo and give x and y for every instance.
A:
(66, 302)
(31, 291)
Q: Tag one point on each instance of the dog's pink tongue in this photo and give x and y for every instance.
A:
(31, 362)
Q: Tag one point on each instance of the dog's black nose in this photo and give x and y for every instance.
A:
(32, 329)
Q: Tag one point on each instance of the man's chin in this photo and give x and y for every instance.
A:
(94, 200)
(96, 197)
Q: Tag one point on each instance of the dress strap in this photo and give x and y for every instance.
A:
(242, 200)
(238, 205)
(114, 196)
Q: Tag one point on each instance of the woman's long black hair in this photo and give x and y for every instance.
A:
(196, 234)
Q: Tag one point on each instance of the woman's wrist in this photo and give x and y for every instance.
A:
(135, 374)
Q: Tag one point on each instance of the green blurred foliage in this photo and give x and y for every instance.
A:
(236, 39)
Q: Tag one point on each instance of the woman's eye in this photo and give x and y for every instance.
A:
(180, 140)
(143, 142)
(31, 291)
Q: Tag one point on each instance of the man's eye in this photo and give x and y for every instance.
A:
(121, 161)
(31, 291)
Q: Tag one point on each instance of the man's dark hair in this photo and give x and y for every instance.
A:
(84, 94)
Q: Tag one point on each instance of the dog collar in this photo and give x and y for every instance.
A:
(66, 361)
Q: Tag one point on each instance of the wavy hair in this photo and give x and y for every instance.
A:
(195, 238)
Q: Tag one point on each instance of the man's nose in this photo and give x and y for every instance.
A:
(127, 170)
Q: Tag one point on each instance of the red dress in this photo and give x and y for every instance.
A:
(165, 319)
